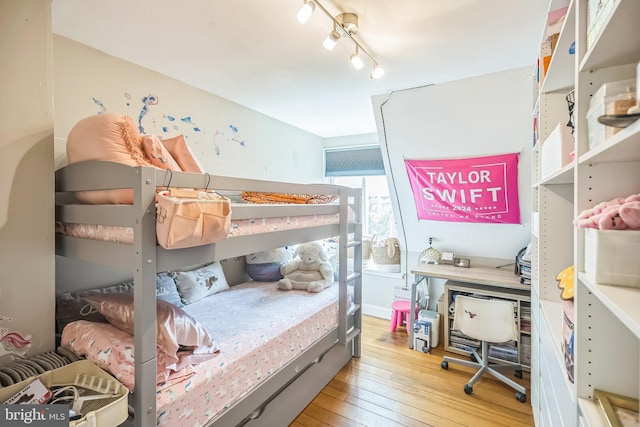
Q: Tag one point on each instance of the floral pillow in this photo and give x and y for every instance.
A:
(197, 284)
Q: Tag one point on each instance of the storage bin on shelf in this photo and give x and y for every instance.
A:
(611, 257)
(107, 412)
(611, 98)
(555, 152)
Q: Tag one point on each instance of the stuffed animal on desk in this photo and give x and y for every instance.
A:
(309, 270)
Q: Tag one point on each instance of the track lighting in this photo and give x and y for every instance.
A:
(345, 25)
(306, 11)
(356, 61)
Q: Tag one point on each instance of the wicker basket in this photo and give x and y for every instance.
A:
(386, 252)
(367, 244)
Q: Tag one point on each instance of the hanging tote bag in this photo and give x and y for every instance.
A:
(186, 218)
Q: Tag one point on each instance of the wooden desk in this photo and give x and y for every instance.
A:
(479, 275)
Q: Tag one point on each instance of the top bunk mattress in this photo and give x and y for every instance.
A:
(239, 227)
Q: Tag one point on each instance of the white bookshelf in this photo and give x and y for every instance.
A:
(607, 318)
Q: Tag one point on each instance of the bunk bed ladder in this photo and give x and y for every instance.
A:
(350, 200)
(144, 273)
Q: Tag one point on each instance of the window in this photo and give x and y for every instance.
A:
(362, 167)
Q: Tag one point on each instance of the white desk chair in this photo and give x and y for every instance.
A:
(490, 321)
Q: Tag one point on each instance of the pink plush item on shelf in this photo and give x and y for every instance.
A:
(630, 214)
(609, 219)
(617, 214)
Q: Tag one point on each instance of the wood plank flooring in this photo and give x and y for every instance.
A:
(392, 385)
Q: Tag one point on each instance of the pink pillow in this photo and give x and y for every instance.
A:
(113, 350)
(110, 137)
(158, 154)
(177, 331)
(180, 151)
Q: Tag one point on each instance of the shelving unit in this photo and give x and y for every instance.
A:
(607, 318)
(522, 316)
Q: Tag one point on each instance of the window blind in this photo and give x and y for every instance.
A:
(361, 161)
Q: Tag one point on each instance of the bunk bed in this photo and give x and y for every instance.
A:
(284, 393)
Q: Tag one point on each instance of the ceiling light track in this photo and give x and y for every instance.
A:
(348, 24)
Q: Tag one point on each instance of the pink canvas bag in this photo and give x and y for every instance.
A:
(186, 218)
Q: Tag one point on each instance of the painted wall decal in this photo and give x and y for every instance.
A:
(13, 344)
(477, 190)
(99, 103)
(185, 124)
(146, 102)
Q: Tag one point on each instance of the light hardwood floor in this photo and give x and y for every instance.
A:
(392, 385)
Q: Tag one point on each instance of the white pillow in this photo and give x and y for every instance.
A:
(196, 284)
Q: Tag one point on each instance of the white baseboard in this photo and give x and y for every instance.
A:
(376, 311)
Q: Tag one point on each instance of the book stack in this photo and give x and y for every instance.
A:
(523, 265)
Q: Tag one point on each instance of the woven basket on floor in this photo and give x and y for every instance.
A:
(386, 251)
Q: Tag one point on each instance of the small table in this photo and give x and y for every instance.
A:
(480, 275)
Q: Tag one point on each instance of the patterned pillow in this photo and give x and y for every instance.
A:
(71, 306)
(112, 349)
(181, 338)
(196, 284)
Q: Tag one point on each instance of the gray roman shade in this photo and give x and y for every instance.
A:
(360, 161)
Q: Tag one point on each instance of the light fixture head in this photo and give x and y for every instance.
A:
(377, 72)
(305, 11)
(332, 40)
(356, 61)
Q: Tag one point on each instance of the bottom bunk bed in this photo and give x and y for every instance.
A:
(262, 335)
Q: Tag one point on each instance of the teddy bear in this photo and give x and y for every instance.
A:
(616, 214)
(308, 270)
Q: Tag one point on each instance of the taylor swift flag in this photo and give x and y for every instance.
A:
(480, 189)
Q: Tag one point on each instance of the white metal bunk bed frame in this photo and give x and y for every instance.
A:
(144, 258)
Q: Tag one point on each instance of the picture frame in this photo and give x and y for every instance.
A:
(618, 410)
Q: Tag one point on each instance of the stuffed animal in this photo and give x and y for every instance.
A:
(616, 214)
(309, 269)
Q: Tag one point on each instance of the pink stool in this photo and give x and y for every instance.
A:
(401, 310)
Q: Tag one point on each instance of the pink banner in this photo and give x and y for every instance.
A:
(480, 189)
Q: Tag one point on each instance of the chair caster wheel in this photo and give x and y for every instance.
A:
(444, 365)
(468, 389)
(521, 397)
(518, 373)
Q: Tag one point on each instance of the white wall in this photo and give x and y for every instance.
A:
(227, 138)
(88, 81)
(479, 116)
(26, 176)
